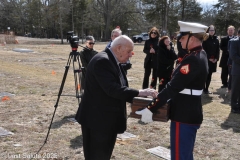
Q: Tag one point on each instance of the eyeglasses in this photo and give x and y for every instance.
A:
(91, 43)
(154, 33)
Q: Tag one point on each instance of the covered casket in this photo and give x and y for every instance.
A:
(162, 113)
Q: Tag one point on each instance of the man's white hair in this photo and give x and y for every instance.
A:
(121, 40)
(116, 30)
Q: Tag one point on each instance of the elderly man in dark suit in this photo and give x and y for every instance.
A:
(225, 55)
(235, 71)
(102, 111)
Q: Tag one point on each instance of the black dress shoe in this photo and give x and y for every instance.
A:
(207, 92)
(224, 86)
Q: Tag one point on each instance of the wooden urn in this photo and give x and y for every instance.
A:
(162, 113)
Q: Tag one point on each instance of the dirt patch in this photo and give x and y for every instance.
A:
(28, 113)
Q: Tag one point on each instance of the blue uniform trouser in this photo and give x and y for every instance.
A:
(182, 137)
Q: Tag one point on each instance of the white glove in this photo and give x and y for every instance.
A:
(146, 115)
(148, 92)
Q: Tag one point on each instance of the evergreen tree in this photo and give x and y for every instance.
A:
(227, 14)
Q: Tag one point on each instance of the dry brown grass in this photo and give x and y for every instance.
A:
(28, 113)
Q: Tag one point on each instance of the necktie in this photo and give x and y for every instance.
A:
(123, 82)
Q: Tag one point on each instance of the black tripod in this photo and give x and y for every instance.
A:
(74, 56)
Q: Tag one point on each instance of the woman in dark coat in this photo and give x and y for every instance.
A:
(166, 58)
(211, 47)
(150, 61)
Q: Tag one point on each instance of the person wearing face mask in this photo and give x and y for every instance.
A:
(166, 58)
(211, 47)
(150, 61)
(86, 55)
(225, 55)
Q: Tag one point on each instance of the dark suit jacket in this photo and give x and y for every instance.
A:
(225, 53)
(103, 105)
(86, 56)
(235, 56)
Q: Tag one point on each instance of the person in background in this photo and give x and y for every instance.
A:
(211, 47)
(181, 52)
(86, 55)
(150, 61)
(234, 51)
(115, 33)
(102, 112)
(166, 58)
(225, 55)
(184, 90)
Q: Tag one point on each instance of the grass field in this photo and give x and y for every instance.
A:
(35, 77)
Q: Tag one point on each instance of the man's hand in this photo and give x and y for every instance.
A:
(148, 92)
(146, 115)
(211, 60)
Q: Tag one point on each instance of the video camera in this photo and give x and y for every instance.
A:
(73, 39)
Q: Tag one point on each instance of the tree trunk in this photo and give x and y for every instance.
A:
(107, 18)
(60, 21)
(183, 8)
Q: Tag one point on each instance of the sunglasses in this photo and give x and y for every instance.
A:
(154, 33)
(91, 43)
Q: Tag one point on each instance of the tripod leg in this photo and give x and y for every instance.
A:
(78, 78)
(60, 92)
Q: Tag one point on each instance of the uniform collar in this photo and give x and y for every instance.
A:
(198, 48)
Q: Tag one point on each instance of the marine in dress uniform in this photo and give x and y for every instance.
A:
(184, 93)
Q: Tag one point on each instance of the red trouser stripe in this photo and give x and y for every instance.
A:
(177, 141)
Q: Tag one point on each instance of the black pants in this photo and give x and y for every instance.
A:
(207, 83)
(235, 92)
(224, 76)
(230, 78)
(98, 145)
(162, 82)
(146, 77)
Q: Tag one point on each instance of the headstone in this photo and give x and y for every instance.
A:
(125, 136)
(4, 132)
(160, 152)
(22, 50)
(3, 94)
(72, 120)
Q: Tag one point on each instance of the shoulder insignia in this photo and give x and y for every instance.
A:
(185, 69)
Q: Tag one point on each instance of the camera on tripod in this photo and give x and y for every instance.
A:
(73, 39)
